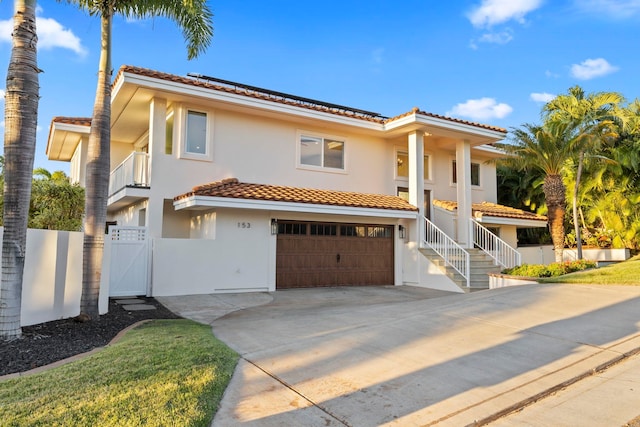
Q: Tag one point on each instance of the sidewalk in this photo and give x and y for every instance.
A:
(402, 356)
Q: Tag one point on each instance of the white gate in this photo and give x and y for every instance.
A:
(129, 266)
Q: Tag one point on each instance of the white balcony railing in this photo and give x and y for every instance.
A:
(132, 172)
(452, 253)
(495, 247)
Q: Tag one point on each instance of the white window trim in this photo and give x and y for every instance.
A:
(473, 186)
(182, 131)
(427, 179)
(300, 165)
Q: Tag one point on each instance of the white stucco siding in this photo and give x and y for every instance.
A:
(237, 260)
(130, 215)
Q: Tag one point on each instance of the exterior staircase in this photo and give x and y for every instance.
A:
(481, 265)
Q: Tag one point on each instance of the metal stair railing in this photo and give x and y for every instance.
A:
(452, 253)
(495, 247)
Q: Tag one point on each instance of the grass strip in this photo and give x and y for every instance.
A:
(162, 373)
(623, 273)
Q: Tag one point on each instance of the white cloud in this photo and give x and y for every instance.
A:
(541, 97)
(616, 8)
(592, 68)
(51, 34)
(503, 37)
(2, 93)
(481, 109)
(492, 12)
(551, 74)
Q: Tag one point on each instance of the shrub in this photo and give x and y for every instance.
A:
(551, 270)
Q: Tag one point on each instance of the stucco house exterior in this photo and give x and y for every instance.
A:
(246, 189)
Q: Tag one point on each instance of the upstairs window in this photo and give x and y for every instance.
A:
(402, 165)
(195, 134)
(321, 152)
(475, 173)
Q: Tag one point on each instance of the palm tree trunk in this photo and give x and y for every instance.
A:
(97, 179)
(576, 223)
(555, 196)
(21, 118)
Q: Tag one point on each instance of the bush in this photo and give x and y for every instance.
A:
(551, 270)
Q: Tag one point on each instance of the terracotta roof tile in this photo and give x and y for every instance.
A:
(416, 110)
(492, 209)
(232, 188)
(259, 95)
(80, 121)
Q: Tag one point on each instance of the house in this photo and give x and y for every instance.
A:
(247, 189)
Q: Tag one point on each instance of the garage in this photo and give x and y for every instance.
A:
(314, 254)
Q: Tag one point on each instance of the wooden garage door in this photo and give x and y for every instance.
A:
(311, 254)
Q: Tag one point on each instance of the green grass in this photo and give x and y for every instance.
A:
(162, 373)
(623, 273)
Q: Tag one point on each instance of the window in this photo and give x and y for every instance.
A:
(475, 173)
(353, 230)
(168, 144)
(323, 230)
(193, 129)
(196, 136)
(402, 165)
(292, 228)
(403, 193)
(321, 152)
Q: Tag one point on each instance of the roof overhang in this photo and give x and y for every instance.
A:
(63, 140)
(518, 222)
(208, 203)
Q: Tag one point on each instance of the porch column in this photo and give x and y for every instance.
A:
(157, 137)
(416, 177)
(463, 178)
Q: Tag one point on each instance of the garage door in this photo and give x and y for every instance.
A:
(311, 254)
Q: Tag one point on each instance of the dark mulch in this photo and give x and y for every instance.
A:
(52, 341)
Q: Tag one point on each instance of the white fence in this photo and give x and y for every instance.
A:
(52, 283)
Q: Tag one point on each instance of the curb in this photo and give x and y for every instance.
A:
(551, 390)
(75, 357)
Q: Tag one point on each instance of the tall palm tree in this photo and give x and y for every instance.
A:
(21, 118)
(545, 149)
(195, 20)
(594, 117)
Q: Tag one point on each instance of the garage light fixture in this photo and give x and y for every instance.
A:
(402, 231)
(274, 226)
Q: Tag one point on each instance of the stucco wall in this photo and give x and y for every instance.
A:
(237, 259)
(52, 282)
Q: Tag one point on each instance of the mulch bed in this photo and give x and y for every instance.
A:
(49, 342)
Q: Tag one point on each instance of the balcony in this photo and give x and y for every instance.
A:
(129, 181)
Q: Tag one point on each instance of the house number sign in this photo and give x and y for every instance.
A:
(244, 225)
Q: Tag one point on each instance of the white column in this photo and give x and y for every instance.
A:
(463, 178)
(416, 177)
(157, 137)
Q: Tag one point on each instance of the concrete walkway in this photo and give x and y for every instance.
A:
(410, 356)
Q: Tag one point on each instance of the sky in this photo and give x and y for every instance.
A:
(490, 61)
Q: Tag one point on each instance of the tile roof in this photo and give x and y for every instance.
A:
(232, 188)
(80, 121)
(492, 209)
(283, 100)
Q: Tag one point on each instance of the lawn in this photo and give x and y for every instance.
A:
(162, 373)
(623, 273)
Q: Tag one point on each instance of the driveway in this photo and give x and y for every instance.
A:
(411, 356)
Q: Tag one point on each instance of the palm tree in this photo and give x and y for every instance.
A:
(195, 20)
(545, 149)
(21, 118)
(594, 117)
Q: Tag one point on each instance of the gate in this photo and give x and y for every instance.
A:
(129, 266)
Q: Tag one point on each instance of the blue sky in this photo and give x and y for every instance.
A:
(491, 61)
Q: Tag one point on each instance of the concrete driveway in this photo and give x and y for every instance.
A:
(411, 356)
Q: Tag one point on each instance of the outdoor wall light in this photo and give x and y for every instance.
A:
(274, 226)
(402, 231)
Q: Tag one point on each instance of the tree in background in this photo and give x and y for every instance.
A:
(593, 118)
(21, 119)
(545, 150)
(195, 20)
(56, 204)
